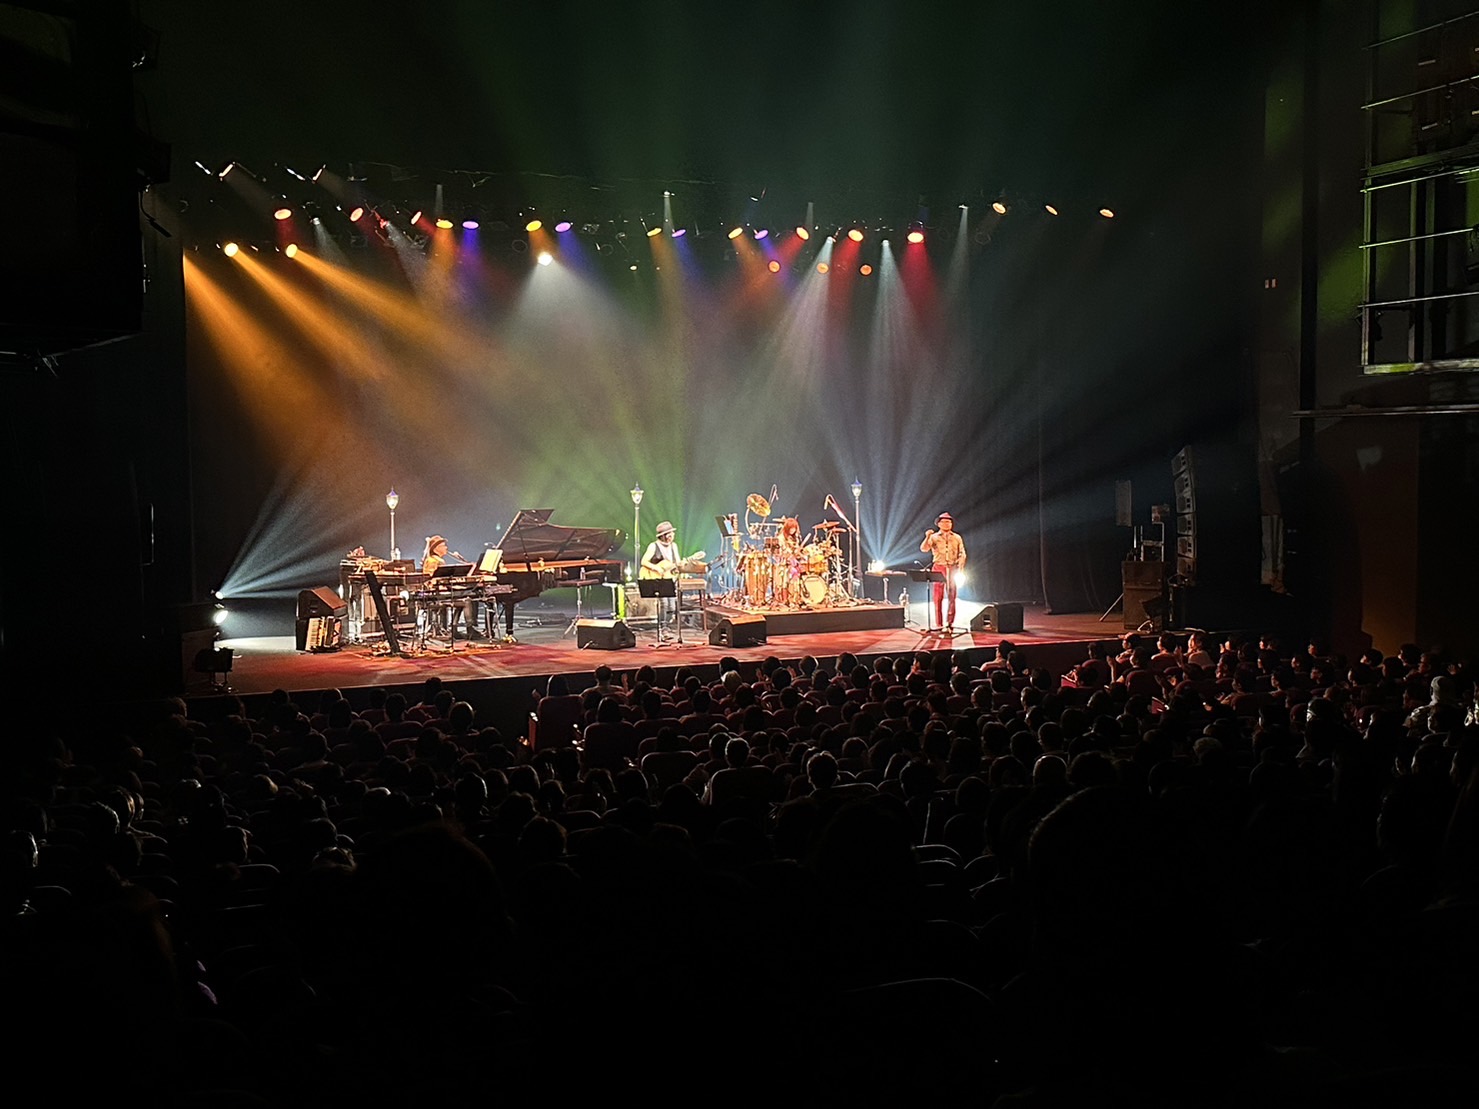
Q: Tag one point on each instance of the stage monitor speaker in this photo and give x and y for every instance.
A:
(999, 618)
(1145, 594)
(321, 601)
(738, 631)
(603, 635)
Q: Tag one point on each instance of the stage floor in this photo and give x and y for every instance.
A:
(263, 664)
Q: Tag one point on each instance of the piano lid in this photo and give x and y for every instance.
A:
(532, 538)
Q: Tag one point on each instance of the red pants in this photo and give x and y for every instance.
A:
(942, 590)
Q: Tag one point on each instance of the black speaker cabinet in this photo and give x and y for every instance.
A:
(998, 617)
(738, 631)
(321, 601)
(603, 635)
(1145, 594)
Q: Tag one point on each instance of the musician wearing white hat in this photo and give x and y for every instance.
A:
(947, 553)
(661, 561)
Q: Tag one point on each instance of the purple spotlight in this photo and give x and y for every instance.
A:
(562, 226)
(470, 224)
(678, 234)
(762, 233)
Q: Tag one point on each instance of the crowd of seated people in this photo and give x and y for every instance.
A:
(1193, 871)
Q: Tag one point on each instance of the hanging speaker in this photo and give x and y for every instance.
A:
(738, 631)
(603, 635)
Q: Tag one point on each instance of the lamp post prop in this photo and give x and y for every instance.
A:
(857, 537)
(391, 500)
(636, 528)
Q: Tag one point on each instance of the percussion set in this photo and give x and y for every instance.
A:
(778, 566)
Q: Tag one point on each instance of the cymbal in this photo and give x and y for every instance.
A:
(826, 525)
(757, 504)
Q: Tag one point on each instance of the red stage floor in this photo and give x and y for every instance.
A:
(264, 664)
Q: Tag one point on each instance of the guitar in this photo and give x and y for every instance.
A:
(667, 568)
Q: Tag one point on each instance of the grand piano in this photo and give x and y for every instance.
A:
(539, 555)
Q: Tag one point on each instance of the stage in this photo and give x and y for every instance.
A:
(265, 663)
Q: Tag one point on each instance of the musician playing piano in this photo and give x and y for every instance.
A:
(432, 557)
(661, 560)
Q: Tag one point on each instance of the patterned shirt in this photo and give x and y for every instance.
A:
(947, 548)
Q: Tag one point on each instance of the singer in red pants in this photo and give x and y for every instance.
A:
(947, 551)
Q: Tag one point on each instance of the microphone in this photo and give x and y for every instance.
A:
(458, 556)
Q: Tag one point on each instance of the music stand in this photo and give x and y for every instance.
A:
(661, 588)
(929, 602)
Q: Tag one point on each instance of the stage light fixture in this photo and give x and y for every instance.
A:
(865, 269)
(291, 250)
(534, 225)
(470, 224)
(562, 226)
(218, 617)
(545, 258)
(999, 207)
(803, 234)
(855, 235)
(356, 214)
(230, 250)
(736, 232)
(654, 232)
(633, 267)
(680, 232)
(415, 219)
(444, 223)
(822, 267)
(229, 167)
(915, 236)
(762, 233)
(282, 214)
(1107, 213)
(1050, 210)
(774, 266)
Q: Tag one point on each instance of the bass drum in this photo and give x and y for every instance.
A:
(813, 589)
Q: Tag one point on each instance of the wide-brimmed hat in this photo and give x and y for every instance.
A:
(665, 528)
(944, 516)
(433, 540)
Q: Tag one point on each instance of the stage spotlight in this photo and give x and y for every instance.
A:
(803, 234)
(999, 207)
(774, 266)
(229, 167)
(633, 267)
(355, 214)
(1050, 210)
(761, 233)
(218, 617)
(1107, 213)
(282, 214)
(470, 224)
(416, 218)
(736, 232)
(680, 232)
(960, 577)
(545, 258)
(562, 226)
(855, 235)
(444, 223)
(822, 267)
(865, 269)
(915, 236)
(534, 225)
(654, 232)
(291, 250)
(230, 250)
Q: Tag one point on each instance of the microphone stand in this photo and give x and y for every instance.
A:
(852, 570)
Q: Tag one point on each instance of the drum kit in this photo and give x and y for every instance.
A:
(777, 566)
